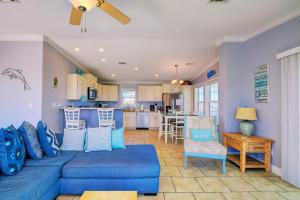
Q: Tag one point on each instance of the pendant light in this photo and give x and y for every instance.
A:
(177, 81)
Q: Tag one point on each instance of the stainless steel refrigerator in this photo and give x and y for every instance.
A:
(172, 102)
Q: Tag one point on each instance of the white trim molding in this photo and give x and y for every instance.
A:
(268, 27)
(21, 38)
(288, 52)
(274, 169)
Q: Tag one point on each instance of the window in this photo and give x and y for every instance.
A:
(128, 95)
(207, 99)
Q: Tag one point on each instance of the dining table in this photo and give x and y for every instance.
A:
(167, 117)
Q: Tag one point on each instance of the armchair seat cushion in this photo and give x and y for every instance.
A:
(212, 148)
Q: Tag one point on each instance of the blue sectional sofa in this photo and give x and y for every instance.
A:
(134, 168)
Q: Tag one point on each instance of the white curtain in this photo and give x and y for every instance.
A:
(290, 117)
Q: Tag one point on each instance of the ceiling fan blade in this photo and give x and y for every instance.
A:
(115, 13)
(75, 17)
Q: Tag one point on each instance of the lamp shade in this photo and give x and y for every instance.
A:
(246, 114)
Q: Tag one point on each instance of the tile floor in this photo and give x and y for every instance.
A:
(202, 180)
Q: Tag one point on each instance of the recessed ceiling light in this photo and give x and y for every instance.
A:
(101, 50)
(103, 60)
(135, 69)
(156, 75)
(77, 49)
(113, 75)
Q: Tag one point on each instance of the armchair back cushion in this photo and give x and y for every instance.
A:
(196, 122)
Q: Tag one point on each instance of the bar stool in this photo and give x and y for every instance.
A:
(162, 130)
(72, 118)
(177, 127)
(106, 117)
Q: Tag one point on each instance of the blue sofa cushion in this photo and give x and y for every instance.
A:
(12, 151)
(59, 160)
(47, 139)
(117, 139)
(30, 183)
(33, 147)
(136, 161)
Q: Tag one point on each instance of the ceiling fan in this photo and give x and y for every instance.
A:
(82, 6)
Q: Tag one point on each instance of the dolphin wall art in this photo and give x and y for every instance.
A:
(16, 74)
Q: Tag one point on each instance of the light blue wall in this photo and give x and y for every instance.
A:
(54, 65)
(237, 67)
(14, 101)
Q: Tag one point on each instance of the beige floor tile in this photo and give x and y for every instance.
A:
(166, 185)
(212, 184)
(191, 172)
(283, 184)
(266, 196)
(160, 196)
(256, 172)
(290, 195)
(238, 196)
(211, 171)
(65, 197)
(164, 154)
(76, 198)
(162, 162)
(208, 196)
(237, 184)
(169, 171)
(174, 162)
(179, 196)
(186, 185)
(262, 184)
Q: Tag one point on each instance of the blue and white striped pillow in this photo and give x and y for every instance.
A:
(48, 139)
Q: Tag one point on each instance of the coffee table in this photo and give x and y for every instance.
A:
(109, 195)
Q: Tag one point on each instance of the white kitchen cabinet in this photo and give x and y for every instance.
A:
(149, 93)
(154, 120)
(109, 93)
(188, 98)
(91, 80)
(171, 89)
(75, 87)
(99, 92)
(129, 120)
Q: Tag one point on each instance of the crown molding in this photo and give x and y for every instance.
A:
(215, 61)
(135, 82)
(259, 31)
(288, 52)
(21, 38)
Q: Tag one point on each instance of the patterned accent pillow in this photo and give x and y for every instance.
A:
(12, 151)
(98, 139)
(32, 144)
(73, 140)
(48, 139)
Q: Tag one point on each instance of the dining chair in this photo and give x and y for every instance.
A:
(72, 119)
(106, 117)
(211, 149)
(162, 124)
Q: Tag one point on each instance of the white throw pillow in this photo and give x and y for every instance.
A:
(98, 139)
(73, 140)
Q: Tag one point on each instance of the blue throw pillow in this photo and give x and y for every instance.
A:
(47, 139)
(117, 137)
(201, 135)
(32, 145)
(12, 151)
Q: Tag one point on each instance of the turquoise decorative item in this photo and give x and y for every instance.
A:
(118, 139)
(246, 128)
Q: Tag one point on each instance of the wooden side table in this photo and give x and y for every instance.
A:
(251, 144)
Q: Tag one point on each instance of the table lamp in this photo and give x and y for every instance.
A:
(246, 115)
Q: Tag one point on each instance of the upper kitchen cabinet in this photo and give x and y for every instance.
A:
(99, 91)
(75, 87)
(109, 93)
(91, 80)
(188, 98)
(171, 89)
(149, 93)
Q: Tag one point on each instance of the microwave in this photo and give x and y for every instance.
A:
(92, 93)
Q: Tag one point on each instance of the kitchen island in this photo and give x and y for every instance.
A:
(90, 116)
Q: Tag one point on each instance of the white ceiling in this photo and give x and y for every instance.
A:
(162, 32)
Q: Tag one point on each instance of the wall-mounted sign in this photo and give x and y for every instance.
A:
(262, 84)
(211, 73)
